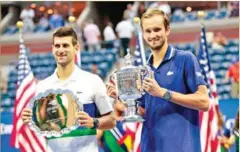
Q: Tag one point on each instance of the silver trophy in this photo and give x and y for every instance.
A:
(54, 112)
(128, 85)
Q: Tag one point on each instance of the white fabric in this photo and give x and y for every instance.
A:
(161, 6)
(165, 8)
(27, 17)
(124, 29)
(89, 88)
(27, 14)
(91, 33)
(75, 144)
(109, 34)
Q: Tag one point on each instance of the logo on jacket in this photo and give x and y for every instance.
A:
(170, 73)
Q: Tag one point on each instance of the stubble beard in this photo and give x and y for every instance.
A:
(158, 47)
(63, 64)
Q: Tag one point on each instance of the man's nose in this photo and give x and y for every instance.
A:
(153, 35)
(61, 49)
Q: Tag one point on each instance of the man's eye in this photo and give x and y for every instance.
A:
(148, 31)
(65, 45)
(157, 30)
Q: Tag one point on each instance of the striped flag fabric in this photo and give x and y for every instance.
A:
(22, 136)
(116, 139)
(78, 59)
(209, 119)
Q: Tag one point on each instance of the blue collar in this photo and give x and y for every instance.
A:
(169, 54)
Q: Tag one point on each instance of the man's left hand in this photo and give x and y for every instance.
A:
(119, 109)
(84, 119)
(152, 87)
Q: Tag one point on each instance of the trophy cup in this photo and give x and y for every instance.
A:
(54, 112)
(128, 88)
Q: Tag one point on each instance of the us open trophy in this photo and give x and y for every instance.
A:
(54, 112)
(128, 85)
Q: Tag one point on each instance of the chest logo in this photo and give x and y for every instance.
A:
(79, 92)
(170, 73)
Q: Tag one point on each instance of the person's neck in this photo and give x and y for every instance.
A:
(158, 55)
(64, 72)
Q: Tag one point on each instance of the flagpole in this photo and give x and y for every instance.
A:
(140, 37)
(72, 21)
(201, 15)
(20, 24)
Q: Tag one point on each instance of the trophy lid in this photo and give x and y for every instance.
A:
(128, 59)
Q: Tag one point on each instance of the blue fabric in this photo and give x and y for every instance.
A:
(91, 109)
(56, 21)
(169, 127)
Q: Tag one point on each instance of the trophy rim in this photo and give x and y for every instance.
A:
(53, 133)
(130, 67)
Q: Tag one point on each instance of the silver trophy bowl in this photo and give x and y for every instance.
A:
(128, 85)
(54, 113)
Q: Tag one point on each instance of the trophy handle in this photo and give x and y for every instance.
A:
(113, 78)
(145, 71)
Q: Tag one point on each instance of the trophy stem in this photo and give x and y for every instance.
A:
(130, 114)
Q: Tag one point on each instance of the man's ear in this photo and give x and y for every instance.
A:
(52, 49)
(168, 30)
(77, 47)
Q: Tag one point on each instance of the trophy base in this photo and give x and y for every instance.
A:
(133, 118)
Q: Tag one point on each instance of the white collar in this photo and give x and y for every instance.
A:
(73, 77)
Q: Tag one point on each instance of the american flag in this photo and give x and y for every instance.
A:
(139, 60)
(22, 137)
(209, 119)
(78, 59)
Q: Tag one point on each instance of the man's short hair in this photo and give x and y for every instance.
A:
(152, 12)
(66, 31)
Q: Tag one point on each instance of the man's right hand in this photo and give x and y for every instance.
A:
(141, 111)
(26, 115)
(111, 90)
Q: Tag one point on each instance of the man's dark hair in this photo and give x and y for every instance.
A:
(152, 12)
(66, 31)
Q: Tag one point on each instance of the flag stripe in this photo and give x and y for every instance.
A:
(114, 134)
(136, 147)
(18, 117)
(203, 127)
(25, 84)
(28, 90)
(23, 132)
(23, 144)
(35, 143)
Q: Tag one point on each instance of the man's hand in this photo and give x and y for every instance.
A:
(84, 119)
(111, 90)
(141, 111)
(26, 115)
(151, 86)
(119, 109)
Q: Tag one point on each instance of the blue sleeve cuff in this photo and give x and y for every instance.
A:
(141, 102)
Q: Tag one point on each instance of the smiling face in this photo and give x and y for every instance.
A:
(156, 28)
(64, 50)
(154, 32)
